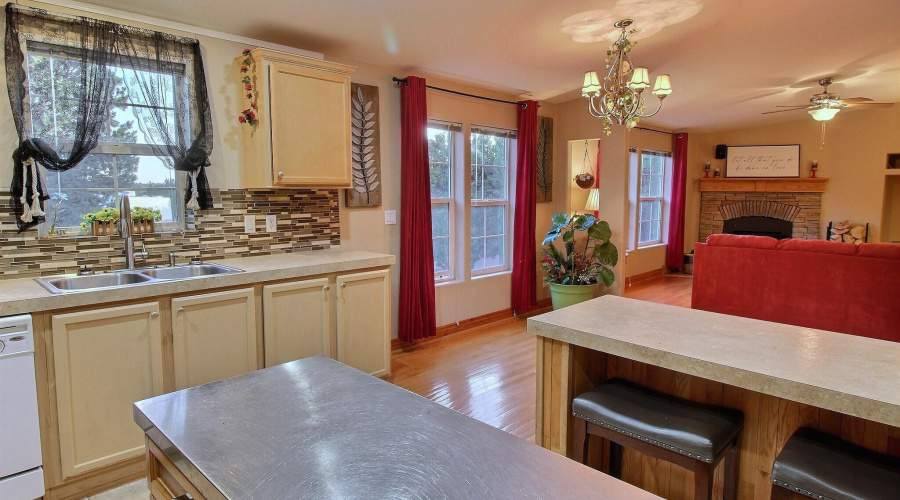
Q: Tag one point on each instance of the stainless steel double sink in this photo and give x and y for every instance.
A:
(130, 277)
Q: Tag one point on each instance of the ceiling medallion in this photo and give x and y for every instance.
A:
(620, 97)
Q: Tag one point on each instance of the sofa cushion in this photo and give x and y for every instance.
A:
(880, 250)
(741, 241)
(818, 246)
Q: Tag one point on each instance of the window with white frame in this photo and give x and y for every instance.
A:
(489, 201)
(651, 197)
(440, 159)
(124, 161)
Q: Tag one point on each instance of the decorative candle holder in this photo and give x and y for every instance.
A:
(706, 170)
(813, 169)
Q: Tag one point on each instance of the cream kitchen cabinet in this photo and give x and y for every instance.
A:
(363, 312)
(214, 336)
(104, 360)
(302, 137)
(297, 320)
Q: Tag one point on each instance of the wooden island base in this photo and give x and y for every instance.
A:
(565, 370)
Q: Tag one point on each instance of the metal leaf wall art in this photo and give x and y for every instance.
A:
(365, 147)
(545, 159)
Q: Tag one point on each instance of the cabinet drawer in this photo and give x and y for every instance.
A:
(166, 481)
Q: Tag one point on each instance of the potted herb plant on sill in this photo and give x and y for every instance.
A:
(572, 276)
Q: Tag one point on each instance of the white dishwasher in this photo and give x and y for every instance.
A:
(21, 474)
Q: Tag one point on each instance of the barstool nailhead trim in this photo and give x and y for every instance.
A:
(800, 490)
(651, 441)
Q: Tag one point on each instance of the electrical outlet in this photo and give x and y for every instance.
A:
(271, 224)
(249, 224)
(390, 217)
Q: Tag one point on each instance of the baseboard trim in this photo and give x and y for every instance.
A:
(467, 324)
(649, 275)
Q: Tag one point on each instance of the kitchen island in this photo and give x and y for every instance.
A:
(781, 376)
(317, 429)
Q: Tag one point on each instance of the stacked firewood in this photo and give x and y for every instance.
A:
(848, 233)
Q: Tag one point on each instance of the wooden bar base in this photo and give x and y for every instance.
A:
(565, 370)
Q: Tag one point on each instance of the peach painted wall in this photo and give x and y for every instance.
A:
(854, 158)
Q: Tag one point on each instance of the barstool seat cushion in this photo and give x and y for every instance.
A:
(822, 466)
(698, 431)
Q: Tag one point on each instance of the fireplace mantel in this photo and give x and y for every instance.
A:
(763, 184)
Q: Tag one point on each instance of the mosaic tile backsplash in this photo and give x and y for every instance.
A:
(308, 219)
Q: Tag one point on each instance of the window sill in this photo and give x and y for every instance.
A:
(651, 245)
(491, 275)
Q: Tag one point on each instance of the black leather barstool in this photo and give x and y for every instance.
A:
(824, 467)
(694, 436)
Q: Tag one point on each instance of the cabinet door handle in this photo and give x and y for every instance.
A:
(180, 310)
(343, 285)
(154, 315)
(280, 174)
(326, 288)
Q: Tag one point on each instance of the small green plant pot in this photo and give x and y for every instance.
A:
(567, 295)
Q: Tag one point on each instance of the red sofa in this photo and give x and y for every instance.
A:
(819, 284)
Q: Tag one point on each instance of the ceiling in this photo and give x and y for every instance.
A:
(730, 61)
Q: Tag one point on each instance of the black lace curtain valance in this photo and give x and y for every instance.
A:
(183, 138)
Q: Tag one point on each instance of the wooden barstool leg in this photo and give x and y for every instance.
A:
(779, 493)
(615, 459)
(703, 480)
(581, 441)
(732, 460)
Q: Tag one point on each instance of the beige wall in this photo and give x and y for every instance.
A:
(854, 158)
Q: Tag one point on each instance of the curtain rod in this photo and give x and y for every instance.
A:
(657, 131)
(524, 105)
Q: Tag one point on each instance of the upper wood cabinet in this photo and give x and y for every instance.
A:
(214, 336)
(104, 360)
(303, 134)
(297, 320)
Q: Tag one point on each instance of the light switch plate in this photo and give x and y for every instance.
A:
(271, 223)
(390, 217)
(249, 224)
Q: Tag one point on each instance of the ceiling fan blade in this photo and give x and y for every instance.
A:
(798, 106)
(783, 110)
(869, 105)
(856, 99)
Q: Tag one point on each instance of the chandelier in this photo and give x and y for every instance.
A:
(620, 98)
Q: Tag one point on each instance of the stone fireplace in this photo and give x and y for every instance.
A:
(781, 208)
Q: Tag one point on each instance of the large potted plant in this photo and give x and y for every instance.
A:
(572, 276)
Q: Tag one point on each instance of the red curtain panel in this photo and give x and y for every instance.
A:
(524, 264)
(675, 247)
(417, 318)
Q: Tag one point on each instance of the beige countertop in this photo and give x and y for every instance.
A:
(848, 374)
(24, 295)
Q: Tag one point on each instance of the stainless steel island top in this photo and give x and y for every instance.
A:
(318, 429)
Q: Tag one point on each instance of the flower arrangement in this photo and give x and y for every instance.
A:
(103, 222)
(248, 115)
(592, 265)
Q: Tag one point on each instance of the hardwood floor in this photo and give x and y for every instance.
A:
(487, 373)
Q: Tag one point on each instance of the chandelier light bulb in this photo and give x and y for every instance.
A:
(663, 86)
(823, 114)
(640, 80)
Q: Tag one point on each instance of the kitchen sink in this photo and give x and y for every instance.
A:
(125, 278)
(190, 271)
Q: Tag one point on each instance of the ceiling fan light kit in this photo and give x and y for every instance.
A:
(619, 98)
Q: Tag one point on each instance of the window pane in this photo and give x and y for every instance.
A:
(494, 183)
(478, 261)
(645, 186)
(144, 171)
(644, 234)
(646, 210)
(441, 255)
(495, 220)
(494, 251)
(476, 183)
(440, 180)
(654, 231)
(78, 203)
(657, 207)
(478, 215)
(440, 219)
(489, 172)
(95, 171)
(656, 186)
(164, 200)
(439, 158)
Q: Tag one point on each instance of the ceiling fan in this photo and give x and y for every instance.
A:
(824, 106)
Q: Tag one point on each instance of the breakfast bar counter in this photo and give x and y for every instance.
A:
(317, 429)
(781, 376)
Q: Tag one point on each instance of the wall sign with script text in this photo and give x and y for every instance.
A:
(763, 161)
